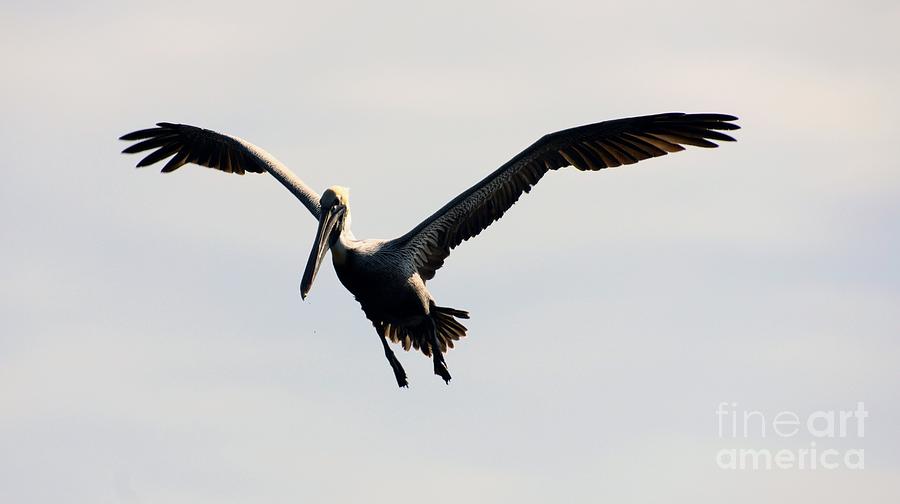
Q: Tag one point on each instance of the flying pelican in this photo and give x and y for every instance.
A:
(388, 277)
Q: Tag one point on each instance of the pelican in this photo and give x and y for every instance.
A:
(388, 277)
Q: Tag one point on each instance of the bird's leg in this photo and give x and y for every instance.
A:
(399, 373)
(440, 366)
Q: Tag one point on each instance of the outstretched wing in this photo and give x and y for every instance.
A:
(591, 147)
(190, 144)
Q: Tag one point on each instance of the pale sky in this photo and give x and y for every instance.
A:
(154, 347)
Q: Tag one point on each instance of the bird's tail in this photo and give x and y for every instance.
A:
(447, 330)
(447, 327)
(433, 337)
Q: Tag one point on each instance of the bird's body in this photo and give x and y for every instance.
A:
(369, 270)
(393, 296)
(388, 277)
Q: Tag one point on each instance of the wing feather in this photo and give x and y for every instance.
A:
(190, 144)
(591, 147)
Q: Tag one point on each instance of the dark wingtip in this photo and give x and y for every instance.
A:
(713, 117)
(712, 134)
(140, 134)
(713, 122)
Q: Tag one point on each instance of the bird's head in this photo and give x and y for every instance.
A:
(335, 195)
(336, 198)
(334, 217)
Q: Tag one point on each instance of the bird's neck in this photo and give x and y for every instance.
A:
(342, 244)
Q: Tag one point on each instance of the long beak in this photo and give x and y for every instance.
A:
(327, 225)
